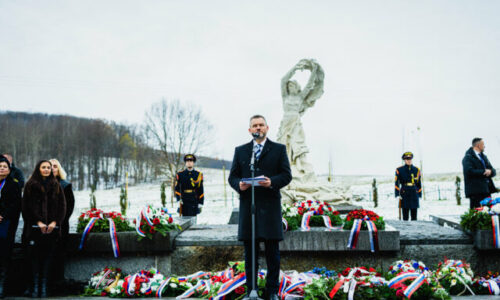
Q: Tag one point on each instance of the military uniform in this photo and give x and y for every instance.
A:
(408, 186)
(189, 188)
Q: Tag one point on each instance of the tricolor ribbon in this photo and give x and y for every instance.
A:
(415, 285)
(104, 277)
(353, 236)
(352, 288)
(306, 218)
(282, 286)
(114, 238)
(285, 224)
(299, 283)
(130, 286)
(496, 231)
(230, 286)
(328, 223)
(356, 229)
(86, 232)
(401, 278)
(493, 287)
(162, 286)
(191, 291)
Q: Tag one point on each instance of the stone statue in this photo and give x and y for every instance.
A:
(304, 185)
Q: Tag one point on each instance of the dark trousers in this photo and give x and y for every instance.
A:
(475, 199)
(406, 212)
(41, 252)
(272, 252)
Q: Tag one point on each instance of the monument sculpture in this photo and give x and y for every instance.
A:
(296, 101)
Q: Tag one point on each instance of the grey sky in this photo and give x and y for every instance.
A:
(390, 66)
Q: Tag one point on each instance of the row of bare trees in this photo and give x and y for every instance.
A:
(98, 153)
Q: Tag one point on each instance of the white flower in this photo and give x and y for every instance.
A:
(496, 209)
(173, 285)
(453, 282)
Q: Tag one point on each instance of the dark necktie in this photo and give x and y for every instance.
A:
(481, 156)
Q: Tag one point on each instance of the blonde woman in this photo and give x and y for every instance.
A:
(60, 175)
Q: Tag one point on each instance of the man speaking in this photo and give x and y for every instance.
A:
(271, 162)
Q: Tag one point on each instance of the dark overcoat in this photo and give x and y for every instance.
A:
(273, 163)
(41, 203)
(10, 202)
(70, 205)
(474, 181)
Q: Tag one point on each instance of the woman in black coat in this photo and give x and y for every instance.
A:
(43, 209)
(10, 197)
(60, 174)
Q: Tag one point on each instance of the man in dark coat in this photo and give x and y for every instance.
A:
(189, 188)
(271, 162)
(478, 174)
(408, 187)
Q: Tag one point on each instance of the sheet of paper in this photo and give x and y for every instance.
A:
(254, 181)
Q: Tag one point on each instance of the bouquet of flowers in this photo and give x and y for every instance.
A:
(455, 276)
(152, 220)
(102, 224)
(101, 282)
(488, 284)
(406, 266)
(363, 214)
(320, 214)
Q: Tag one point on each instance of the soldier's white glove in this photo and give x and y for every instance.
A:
(397, 199)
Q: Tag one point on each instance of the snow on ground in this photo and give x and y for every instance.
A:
(217, 210)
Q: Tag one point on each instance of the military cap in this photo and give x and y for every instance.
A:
(189, 157)
(407, 155)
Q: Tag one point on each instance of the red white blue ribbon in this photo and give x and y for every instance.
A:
(353, 236)
(306, 218)
(162, 286)
(230, 286)
(145, 215)
(114, 238)
(103, 278)
(293, 286)
(130, 286)
(415, 285)
(285, 224)
(191, 291)
(197, 275)
(138, 226)
(496, 231)
(86, 232)
(373, 234)
(401, 278)
(493, 287)
(282, 286)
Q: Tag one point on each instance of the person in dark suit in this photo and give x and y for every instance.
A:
(10, 198)
(189, 188)
(478, 174)
(271, 162)
(408, 187)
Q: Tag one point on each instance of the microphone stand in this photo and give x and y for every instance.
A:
(253, 294)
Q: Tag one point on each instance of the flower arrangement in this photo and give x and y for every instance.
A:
(406, 266)
(102, 224)
(152, 220)
(488, 284)
(455, 276)
(363, 214)
(293, 214)
(102, 281)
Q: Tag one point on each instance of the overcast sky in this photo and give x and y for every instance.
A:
(390, 67)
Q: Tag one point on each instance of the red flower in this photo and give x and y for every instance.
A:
(170, 220)
(240, 290)
(103, 294)
(156, 221)
(152, 230)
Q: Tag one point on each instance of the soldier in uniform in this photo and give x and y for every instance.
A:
(189, 188)
(408, 187)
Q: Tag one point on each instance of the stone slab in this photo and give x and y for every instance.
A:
(428, 233)
(322, 239)
(235, 214)
(483, 240)
(209, 235)
(452, 221)
(344, 208)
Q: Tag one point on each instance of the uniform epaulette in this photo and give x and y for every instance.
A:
(16, 180)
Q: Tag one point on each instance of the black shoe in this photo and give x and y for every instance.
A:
(36, 286)
(43, 288)
(2, 283)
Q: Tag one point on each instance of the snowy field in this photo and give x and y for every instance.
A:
(439, 197)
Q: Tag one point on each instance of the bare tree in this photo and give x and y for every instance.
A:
(176, 129)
